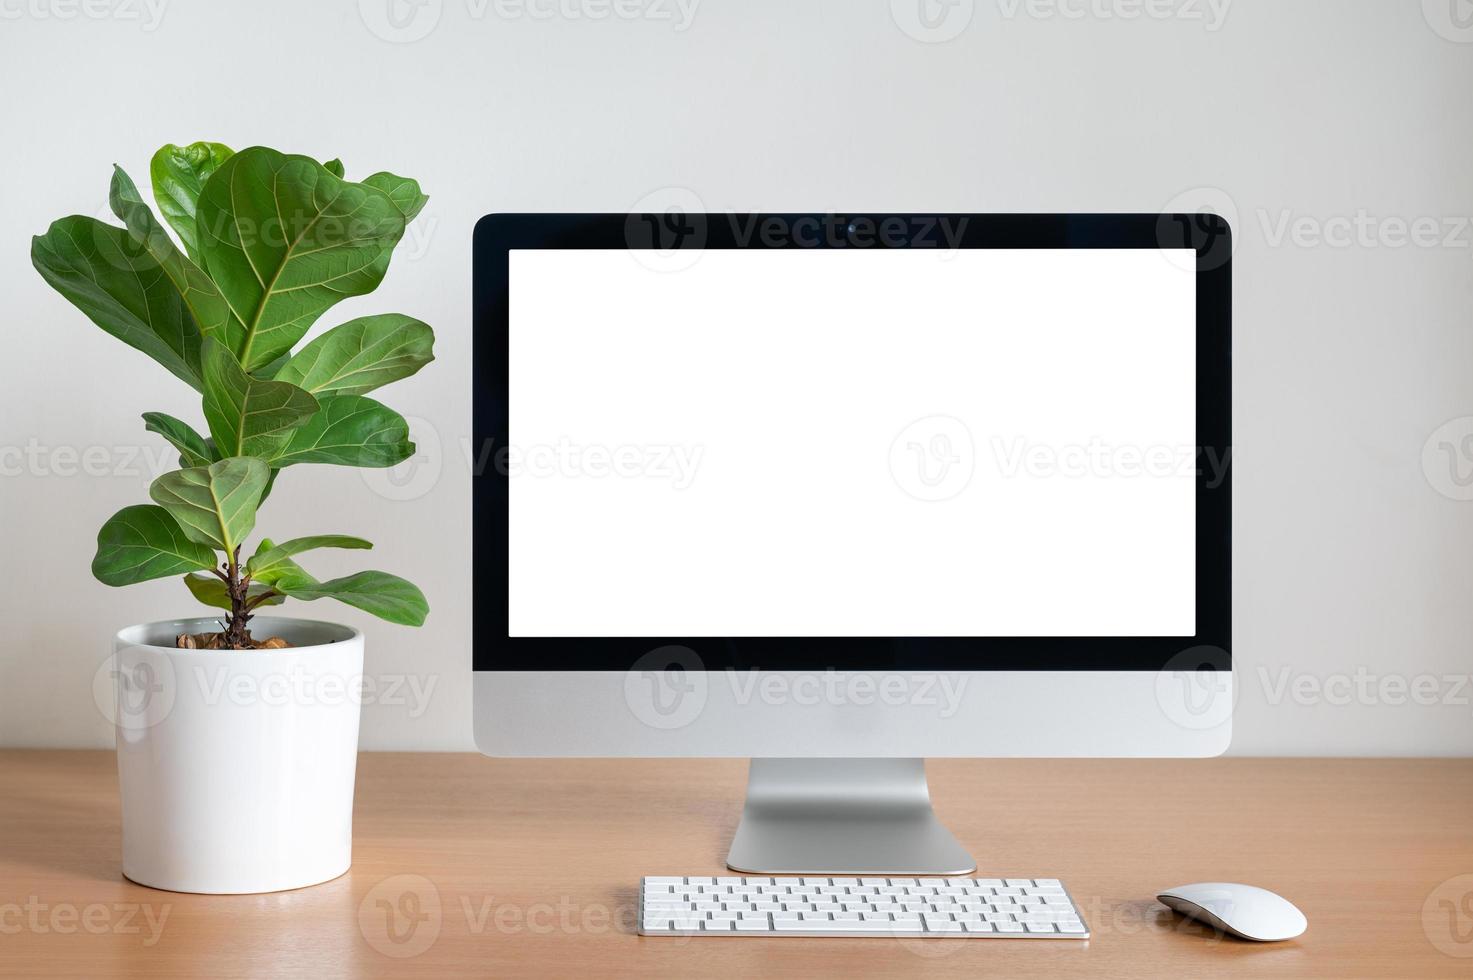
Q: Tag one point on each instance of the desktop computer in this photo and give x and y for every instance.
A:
(841, 492)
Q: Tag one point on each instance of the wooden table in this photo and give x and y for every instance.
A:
(529, 868)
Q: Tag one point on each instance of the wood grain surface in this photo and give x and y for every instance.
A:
(468, 866)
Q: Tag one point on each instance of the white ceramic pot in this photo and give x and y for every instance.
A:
(236, 766)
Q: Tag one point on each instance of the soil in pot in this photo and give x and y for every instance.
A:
(216, 641)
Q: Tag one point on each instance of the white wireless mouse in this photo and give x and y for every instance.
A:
(1243, 910)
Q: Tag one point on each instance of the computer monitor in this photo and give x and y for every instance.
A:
(840, 492)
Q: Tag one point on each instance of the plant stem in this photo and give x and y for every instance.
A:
(237, 637)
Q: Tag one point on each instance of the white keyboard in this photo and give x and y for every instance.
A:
(984, 908)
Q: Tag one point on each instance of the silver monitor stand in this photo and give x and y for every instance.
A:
(843, 817)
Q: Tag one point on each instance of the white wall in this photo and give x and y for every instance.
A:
(1348, 558)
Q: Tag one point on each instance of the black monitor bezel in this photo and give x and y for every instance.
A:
(1207, 234)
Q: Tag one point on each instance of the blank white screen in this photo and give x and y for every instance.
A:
(826, 404)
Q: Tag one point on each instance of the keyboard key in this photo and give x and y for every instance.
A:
(753, 925)
(878, 928)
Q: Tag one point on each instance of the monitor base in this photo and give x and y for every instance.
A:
(843, 817)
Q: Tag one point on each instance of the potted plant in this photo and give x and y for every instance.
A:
(237, 735)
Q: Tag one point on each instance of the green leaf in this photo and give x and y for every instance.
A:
(122, 289)
(385, 596)
(349, 430)
(279, 568)
(356, 357)
(204, 301)
(247, 416)
(284, 240)
(405, 193)
(144, 542)
(215, 504)
(270, 485)
(193, 449)
(211, 591)
(334, 167)
(271, 370)
(270, 561)
(178, 174)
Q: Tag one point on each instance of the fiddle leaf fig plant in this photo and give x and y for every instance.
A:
(268, 242)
